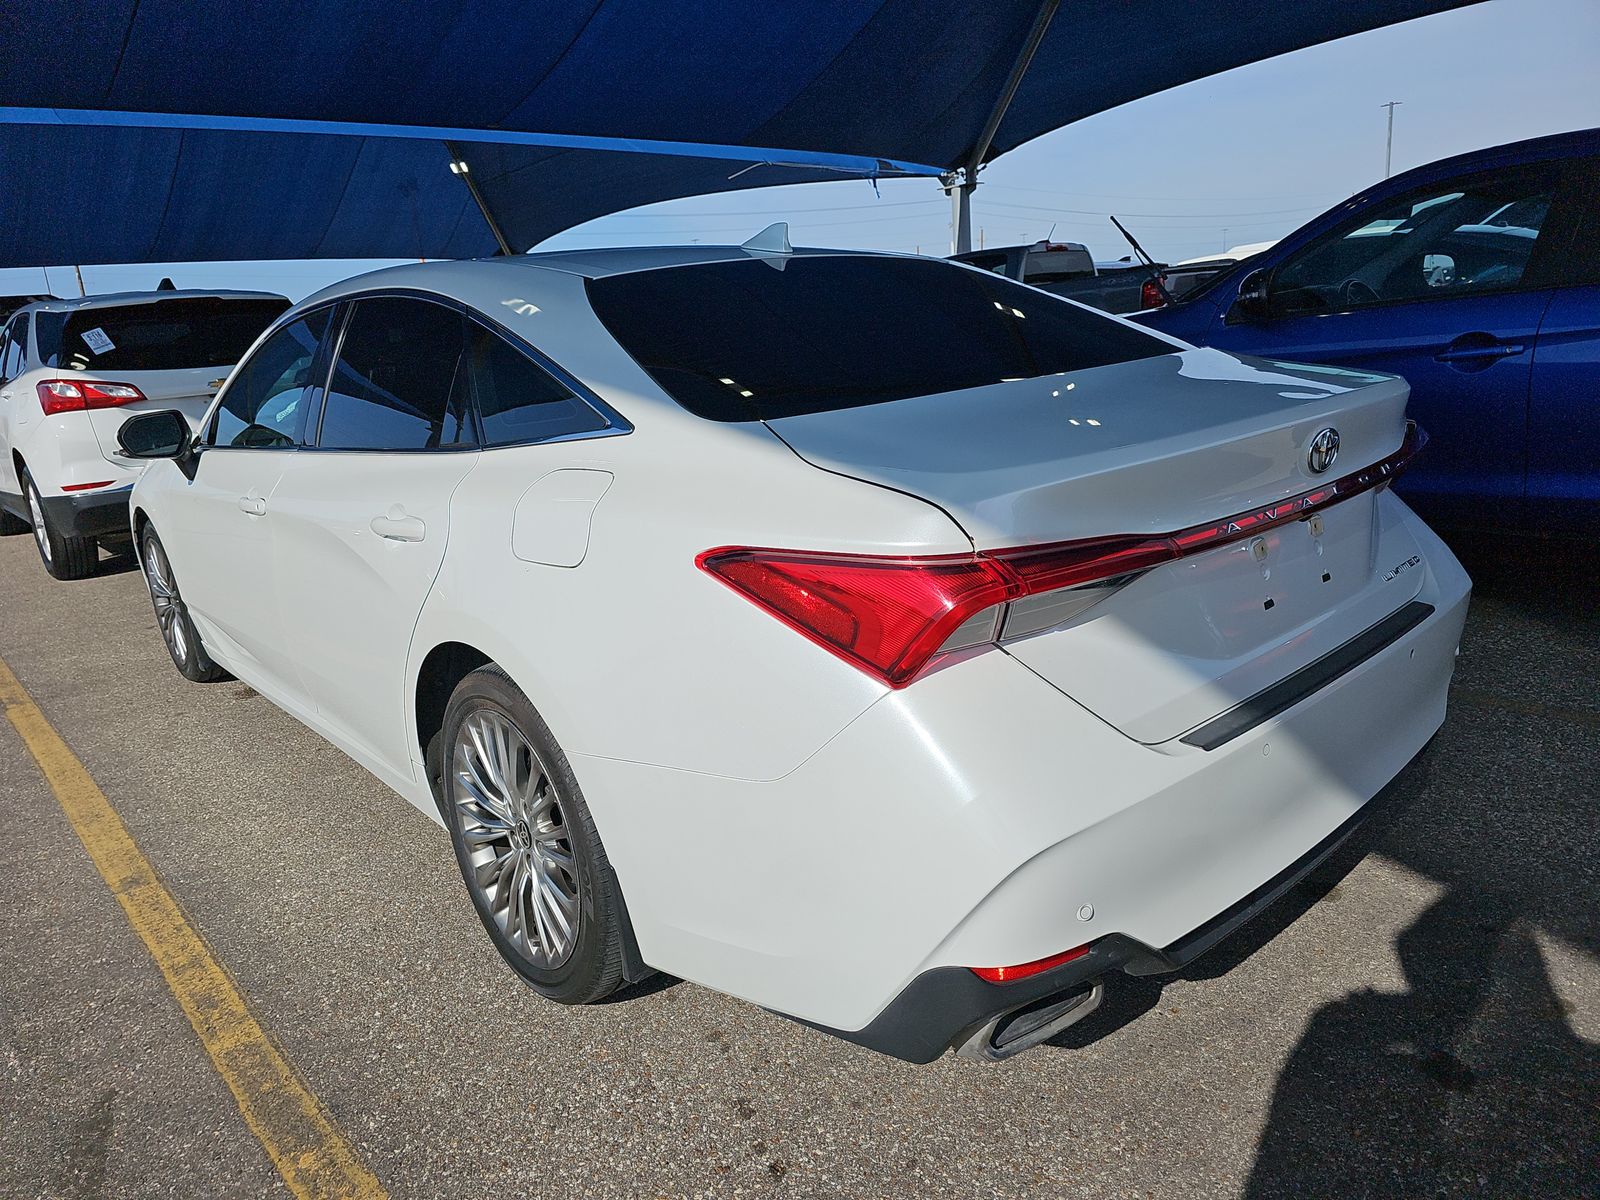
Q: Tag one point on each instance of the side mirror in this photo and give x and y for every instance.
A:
(164, 434)
(1251, 302)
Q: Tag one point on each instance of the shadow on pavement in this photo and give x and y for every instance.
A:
(1472, 1080)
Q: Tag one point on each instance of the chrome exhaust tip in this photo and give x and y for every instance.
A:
(1022, 1028)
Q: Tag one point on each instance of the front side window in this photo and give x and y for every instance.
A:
(518, 400)
(393, 386)
(1454, 239)
(158, 335)
(742, 341)
(264, 406)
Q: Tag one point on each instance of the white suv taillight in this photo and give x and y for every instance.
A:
(75, 395)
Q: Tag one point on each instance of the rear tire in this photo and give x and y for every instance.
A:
(64, 556)
(527, 847)
(172, 617)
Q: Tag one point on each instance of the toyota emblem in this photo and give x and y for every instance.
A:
(1324, 450)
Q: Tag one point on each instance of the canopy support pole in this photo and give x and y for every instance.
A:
(960, 215)
(961, 193)
(458, 166)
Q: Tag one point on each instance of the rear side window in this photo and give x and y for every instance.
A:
(519, 401)
(162, 335)
(264, 406)
(743, 341)
(13, 350)
(393, 384)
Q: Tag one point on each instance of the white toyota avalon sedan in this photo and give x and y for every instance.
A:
(888, 643)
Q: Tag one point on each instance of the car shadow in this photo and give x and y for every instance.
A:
(1472, 1079)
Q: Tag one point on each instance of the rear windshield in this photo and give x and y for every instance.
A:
(744, 341)
(162, 335)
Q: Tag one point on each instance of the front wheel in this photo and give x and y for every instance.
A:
(65, 556)
(526, 844)
(172, 617)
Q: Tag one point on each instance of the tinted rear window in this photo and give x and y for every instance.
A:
(741, 341)
(163, 335)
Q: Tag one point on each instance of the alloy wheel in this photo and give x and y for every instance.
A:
(164, 595)
(36, 510)
(521, 863)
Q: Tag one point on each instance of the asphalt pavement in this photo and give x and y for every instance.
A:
(1423, 1019)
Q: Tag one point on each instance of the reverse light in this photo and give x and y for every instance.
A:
(891, 616)
(76, 395)
(1023, 970)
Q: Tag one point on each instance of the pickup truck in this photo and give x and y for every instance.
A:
(1067, 269)
(1124, 286)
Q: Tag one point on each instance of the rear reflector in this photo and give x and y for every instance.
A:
(84, 487)
(890, 616)
(1023, 970)
(75, 395)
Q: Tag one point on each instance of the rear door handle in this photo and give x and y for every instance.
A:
(396, 526)
(254, 505)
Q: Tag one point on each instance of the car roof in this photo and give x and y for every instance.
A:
(118, 299)
(452, 276)
(1577, 143)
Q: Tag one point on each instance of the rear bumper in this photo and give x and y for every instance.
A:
(942, 1008)
(982, 817)
(101, 514)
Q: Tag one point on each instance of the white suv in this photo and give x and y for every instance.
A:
(70, 373)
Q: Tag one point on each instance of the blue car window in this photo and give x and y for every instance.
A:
(1451, 239)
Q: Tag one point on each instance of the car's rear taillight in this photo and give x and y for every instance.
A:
(890, 616)
(75, 395)
(1150, 295)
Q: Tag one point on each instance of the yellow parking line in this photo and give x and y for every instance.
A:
(311, 1153)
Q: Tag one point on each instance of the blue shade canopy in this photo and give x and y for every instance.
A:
(606, 92)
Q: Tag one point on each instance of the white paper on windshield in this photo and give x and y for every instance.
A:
(97, 340)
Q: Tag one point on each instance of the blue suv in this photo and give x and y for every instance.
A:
(1477, 278)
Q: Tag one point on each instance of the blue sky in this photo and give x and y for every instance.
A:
(1242, 157)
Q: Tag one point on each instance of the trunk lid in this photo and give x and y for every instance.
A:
(1153, 446)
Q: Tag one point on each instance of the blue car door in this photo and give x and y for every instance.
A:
(1446, 286)
(1564, 400)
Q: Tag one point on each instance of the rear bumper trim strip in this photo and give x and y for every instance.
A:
(1312, 677)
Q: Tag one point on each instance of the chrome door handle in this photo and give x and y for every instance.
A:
(398, 527)
(254, 505)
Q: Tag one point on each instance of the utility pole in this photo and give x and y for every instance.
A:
(1388, 149)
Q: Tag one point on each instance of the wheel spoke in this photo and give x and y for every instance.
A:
(488, 872)
(486, 833)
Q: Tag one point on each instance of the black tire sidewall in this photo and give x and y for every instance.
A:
(70, 557)
(594, 968)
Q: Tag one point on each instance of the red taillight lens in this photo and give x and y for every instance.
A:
(75, 395)
(888, 616)
(1023, 970)
(1150, 295)
(891, 616)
